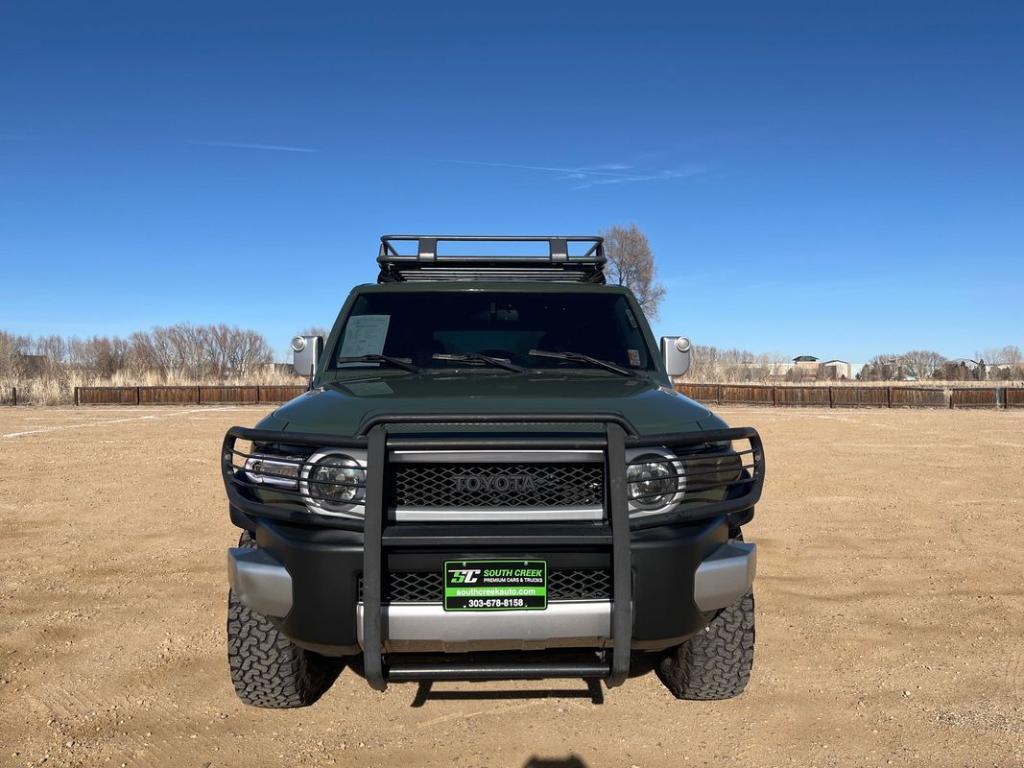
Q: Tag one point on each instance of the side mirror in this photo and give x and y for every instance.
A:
(307, 351)
(675, 353)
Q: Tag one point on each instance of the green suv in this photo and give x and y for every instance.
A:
(490, 477)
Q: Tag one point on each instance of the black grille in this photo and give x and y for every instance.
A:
(580, 584)
(428, 586)
(413, 587)
(453, 486)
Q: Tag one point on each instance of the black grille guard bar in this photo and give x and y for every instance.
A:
(751, 486)
(615, 440)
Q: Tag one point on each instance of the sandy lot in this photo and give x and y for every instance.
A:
(890, 613)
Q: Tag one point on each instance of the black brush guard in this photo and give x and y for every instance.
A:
(375, 438)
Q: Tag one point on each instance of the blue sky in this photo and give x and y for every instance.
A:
(838, 179)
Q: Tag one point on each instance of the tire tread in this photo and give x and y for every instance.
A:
(267, 669)
(714, 664)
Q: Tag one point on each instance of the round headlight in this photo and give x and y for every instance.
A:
(653, 482)
(334, 482)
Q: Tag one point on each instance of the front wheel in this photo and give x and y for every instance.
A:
(715, 663)
(267, 669)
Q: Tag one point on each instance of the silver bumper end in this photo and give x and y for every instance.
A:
(725, 575)
(259, 581)
(428, 627)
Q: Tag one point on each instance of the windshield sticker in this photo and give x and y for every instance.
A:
(365, 335)
(634, 357)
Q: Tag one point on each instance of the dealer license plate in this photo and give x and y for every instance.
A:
(495, 585)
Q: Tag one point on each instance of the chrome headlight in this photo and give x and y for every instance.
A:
(334, 483)
(655, 481)
(278, 471)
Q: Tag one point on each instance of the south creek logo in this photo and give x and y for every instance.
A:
(502, 483)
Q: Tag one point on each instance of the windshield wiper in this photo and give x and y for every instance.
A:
(398, 362)
(476, 357)
(579, 357)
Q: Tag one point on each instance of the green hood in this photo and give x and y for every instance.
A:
(339, 407)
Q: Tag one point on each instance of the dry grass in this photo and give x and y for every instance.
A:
(59, 388)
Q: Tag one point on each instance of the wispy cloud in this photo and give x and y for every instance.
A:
(245, 145)
(601, 174)
(682, 172)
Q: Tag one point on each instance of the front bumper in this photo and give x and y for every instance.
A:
(424, 627)
(306, 581)
(669, 571)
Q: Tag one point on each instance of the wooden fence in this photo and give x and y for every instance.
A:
(860, 397)
(721, 394)
(190, 395)
(856, 397)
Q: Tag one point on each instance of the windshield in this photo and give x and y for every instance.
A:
(506, 325)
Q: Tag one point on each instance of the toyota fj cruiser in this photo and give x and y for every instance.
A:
(490, 477)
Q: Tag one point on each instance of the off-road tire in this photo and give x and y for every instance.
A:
(267, 669)
(715, 663)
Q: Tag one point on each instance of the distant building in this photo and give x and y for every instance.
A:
(805, 368)
(835, 370)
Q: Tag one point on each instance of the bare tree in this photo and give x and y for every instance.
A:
(195, 352)
(12, 350)
(181, 353)
(248, 351)
(143, 355)
(883, 368)
(1011, 355)
(1013, 362)
(160, 349)
(216, 346)
(705, 364)
(711, 365)
(922, 363)
(99, 355)
(991, 354)
(193, 347)
(1007, 360)
(54, 348)
(631, 263)
(955, 370)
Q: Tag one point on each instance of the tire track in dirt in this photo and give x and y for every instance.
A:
(109, 422)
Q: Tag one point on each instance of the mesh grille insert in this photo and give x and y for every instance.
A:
(580, 584)
(453, 486)
(414, 587)
(428, 587)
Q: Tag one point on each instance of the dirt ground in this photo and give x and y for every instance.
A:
(890, 613)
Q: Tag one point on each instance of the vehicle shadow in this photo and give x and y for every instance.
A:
(593, 691)
(570, 761)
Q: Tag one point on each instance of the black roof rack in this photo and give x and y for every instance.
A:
(555, 266)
